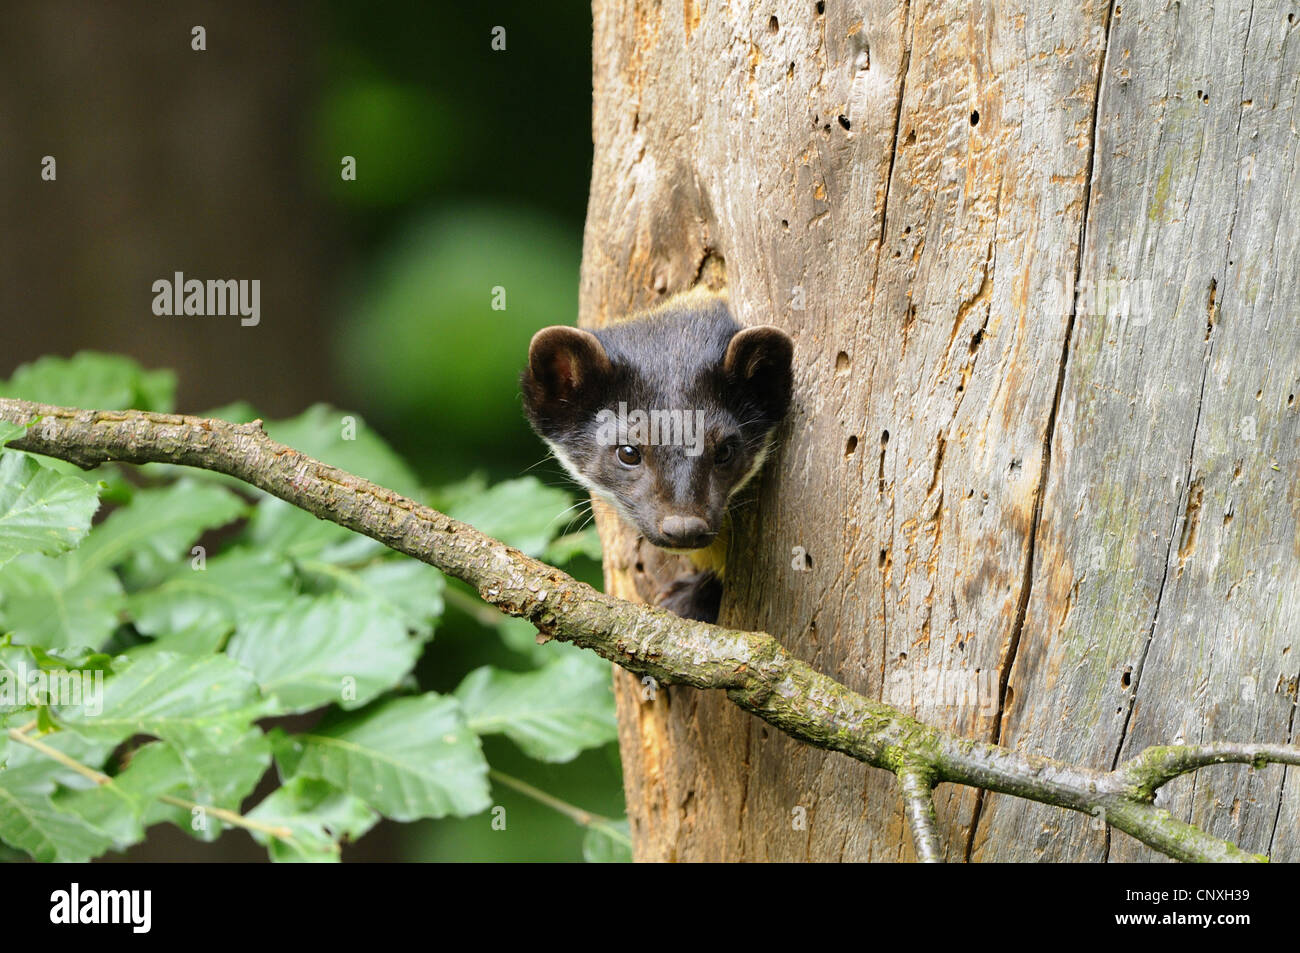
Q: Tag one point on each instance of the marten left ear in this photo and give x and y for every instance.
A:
(565, 366)
(758, 359)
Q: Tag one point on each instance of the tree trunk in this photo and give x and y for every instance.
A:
(1039, 485)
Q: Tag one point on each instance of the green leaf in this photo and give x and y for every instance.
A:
(411, 589)
(237, 412)
(318, 814)
(321, 650)
(30, 676)
(101, 381)
(40, 510)
(520, 635)
(158, 526)
(582, 543)
(81, 660)
(120, 810)
(407, 588)
(54, 603)
(524, 513)
(553, 714)
(284, 529)
(30, 820)
(607, 843)
(192, 609)
(407, 758)
(9, 431)
(198, 703)
(344, 440)
(451, 496)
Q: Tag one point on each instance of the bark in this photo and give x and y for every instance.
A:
(1038, 262)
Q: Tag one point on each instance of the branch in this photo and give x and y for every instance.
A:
(918, 803)
(751, 667)
(580, 817)
(21, 736)
(1157, 766)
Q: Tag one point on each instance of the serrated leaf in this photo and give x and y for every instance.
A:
(321, 650)
(407, 588)
(191, 610)
(525, 513)
(220, 777)
(346, 441)
(407, 758)
(195, 702)
(40, 510)
(88, 379)
(54, 603)
(318, 814)
(607, 842)
(159, 526)
(412, 589)
(30, 822)
(120, 810)
(553, 714)
(284, 529)
(78, 660)
(29, 818)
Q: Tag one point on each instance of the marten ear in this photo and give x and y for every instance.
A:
(758, 360)
(563, 362)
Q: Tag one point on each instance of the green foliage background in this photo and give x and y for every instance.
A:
(257, 659)
(473, 170)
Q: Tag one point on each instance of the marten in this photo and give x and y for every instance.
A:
(665, 414)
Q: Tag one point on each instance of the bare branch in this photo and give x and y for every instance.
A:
(918, 803)
(754, 670)
(1153, 768)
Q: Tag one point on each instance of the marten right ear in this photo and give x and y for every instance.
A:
(563, 363)
(758, 361)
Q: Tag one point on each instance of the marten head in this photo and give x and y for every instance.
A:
(665, 416)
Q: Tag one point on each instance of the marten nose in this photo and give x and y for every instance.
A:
(688, 532)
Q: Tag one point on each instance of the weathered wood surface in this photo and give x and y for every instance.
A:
(1030, 512)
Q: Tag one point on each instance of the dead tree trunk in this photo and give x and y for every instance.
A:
(1041, 481)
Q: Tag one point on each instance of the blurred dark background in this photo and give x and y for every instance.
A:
(376, 294)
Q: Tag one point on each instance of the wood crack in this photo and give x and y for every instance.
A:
(1027, 580)
(898, 120)
(1192, 500)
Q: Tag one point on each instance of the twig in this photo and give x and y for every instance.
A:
(918, 802)
(230, 817)
(576, 814)
(1155, 767)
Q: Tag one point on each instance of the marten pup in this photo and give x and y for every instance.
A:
(665, 415)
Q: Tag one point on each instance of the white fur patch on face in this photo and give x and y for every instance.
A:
(759, 459)
(572, 469)
(570, 466)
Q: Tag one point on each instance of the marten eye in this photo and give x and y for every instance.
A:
(725, 453)
(628, 455)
